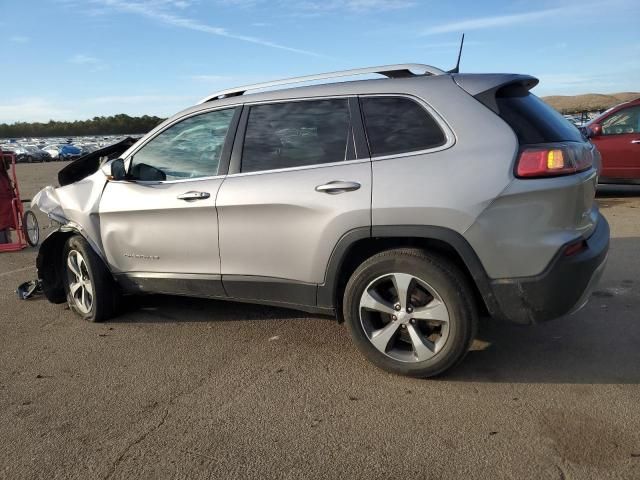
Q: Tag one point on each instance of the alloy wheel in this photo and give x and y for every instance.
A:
(404, 317)
(80, 284)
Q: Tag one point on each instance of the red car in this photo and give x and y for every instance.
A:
(616, 133)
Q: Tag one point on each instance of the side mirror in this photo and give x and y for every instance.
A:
(118, 171)
(114, 170)
(594, 130)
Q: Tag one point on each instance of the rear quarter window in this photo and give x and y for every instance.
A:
(532, 120)
(398, 125)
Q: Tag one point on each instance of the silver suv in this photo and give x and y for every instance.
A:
(407, 207)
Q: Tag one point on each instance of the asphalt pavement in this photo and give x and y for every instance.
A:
(181, 388)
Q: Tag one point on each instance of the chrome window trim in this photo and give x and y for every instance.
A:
(304, 167)
(165, 182)
(442, 123)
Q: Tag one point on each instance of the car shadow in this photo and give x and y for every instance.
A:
(618, 191)
(168, 308)
(598, 345)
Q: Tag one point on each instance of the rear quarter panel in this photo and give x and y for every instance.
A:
(451, 187)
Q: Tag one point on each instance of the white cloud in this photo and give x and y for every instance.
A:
(161, 11)
(496, 21)
(19, 39)
(81, 59)
(354, 5)
(32, 109)
(39, 109)
(93, 63)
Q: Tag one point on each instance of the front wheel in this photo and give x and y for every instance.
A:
(410, 312)
(91, 291)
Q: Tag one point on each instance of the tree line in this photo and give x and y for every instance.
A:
(113, 125)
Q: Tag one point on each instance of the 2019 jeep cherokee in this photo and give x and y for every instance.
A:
(406, 206)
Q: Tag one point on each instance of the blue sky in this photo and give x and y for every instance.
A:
(76, 59)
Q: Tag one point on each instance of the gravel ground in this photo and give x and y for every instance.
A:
(180, 388)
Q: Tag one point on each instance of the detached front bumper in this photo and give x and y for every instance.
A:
(564, 287)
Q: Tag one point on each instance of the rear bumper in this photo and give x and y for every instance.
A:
(564, 287)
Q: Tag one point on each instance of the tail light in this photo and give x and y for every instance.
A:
(536, 162)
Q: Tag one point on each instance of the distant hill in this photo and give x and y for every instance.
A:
(589, 102)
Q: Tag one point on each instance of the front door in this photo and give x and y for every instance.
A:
(160, 228)
(295, 186)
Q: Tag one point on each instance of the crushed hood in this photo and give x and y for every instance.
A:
(90, 163)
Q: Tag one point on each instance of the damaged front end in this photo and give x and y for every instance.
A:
(74, 208)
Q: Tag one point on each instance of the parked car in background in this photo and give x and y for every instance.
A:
(53, 150)
(37, 154)
(616, 133)
(24, 153)
(69, 152)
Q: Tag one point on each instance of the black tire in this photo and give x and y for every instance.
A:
(106, 297)
(30, 228)
(29, 159)
(449, 286)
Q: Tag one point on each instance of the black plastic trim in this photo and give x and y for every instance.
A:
(197, 285)
(357, 124)
(270, 289)
(557, 290)
(238, 142)
(456, 241)
(327, 291)
(225, 156)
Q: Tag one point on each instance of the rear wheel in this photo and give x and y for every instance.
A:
(410, 312)
(91, 291)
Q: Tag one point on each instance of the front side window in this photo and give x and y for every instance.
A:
(399, 125)
(188, 149)
(296, 134)
(624, 121)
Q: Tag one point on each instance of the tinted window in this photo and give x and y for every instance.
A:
(532, 120)
(623, 121)
(295, 134)
(399, 125)
(188, 149)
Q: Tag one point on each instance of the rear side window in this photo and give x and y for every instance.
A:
(532, 120)
(295, 134)
(399, 125)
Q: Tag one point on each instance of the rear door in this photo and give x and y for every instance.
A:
(299, 180)
(160, 228)
(619, 144)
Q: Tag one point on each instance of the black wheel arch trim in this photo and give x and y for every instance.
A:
(48, 261)
(327, 291)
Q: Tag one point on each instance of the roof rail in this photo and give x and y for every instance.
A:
(402, 70)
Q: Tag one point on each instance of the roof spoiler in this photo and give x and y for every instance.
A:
(483, 86)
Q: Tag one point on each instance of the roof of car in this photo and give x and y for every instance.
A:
(405, 82)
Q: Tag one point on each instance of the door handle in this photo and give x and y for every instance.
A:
(337, 186)
(191, 196)
(635, 141)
